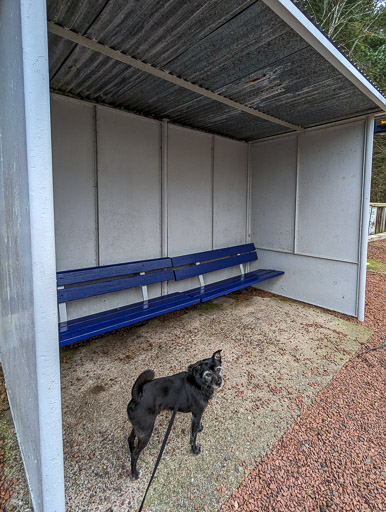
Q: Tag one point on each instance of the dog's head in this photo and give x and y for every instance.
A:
(209, 371)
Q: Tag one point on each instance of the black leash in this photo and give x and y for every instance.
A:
(163, 443)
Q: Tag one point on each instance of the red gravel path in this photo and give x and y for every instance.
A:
(332, 458)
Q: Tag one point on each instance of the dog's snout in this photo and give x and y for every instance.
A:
(217, 378)
(213, 378)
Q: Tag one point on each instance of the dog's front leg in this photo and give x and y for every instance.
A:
(196, 427)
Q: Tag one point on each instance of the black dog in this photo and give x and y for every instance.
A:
(150, 397)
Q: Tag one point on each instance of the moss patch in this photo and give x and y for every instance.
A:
(207, 307)
(67, 353)
(375, 266)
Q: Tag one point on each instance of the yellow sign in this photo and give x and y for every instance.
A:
(380, 126)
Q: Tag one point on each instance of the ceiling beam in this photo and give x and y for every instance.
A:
(159, 73)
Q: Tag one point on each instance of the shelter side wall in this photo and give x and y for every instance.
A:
(18, 355)
(28, 320)
(140, 190)
(306, 213)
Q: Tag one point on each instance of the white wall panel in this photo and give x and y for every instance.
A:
(73, 154)
(325, 283)
(230, 162)
(189, 191)
(229, 192)
(129, 187)
(273, 164)
(330, 189)
(190, 196)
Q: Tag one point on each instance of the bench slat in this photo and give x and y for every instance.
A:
(214, 290)
(204, 268)
(103, 323)
(123, 310)
(83, 275)
(89, 290)
(211, 255)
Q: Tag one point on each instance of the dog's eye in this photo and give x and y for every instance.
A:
(207, 376)
(219, 369)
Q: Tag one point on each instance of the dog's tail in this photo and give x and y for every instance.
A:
(145, 376)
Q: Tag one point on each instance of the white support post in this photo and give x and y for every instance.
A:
(164, 197)
(201, 277)
(248, 202)
(62, 309)
(366, 190)
(30, 348)
(144, 290)
(298, 168)
(241, 267)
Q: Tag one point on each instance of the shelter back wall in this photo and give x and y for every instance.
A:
(126, 188)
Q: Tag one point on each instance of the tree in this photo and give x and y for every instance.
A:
(358, 27)
(378, 179)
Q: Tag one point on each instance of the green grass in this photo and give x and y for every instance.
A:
(375, 266)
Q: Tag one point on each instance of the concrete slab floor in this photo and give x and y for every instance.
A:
(277, 355)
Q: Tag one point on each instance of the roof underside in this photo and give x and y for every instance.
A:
(239, 49)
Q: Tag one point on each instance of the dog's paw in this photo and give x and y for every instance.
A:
(200, 428)
(196, 450)
(136, 475)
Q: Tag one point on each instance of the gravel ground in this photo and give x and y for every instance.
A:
(276, 357)
(327, 459)
(9, 453)
(332, 458)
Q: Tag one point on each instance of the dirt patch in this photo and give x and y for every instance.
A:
(95, 390)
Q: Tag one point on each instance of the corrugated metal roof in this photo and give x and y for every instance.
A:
(239, 49)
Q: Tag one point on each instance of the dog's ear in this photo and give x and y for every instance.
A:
(217, 355)
(196, 367)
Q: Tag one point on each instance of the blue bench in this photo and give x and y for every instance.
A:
(89, 282)
(198, 264)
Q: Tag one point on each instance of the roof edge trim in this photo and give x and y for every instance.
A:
(159, 73)
(294, 17)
